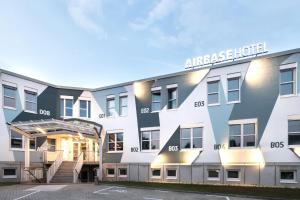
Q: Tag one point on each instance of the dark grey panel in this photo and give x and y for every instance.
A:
(258, 101)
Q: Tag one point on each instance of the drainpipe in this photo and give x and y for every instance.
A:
(98, 134)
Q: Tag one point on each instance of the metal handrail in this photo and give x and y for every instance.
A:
(55, 165)
(28, 170)
(77, 167)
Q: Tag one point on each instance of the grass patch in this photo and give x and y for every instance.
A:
(248, 191)
(7, 183)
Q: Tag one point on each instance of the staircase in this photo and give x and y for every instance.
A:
(64, 174)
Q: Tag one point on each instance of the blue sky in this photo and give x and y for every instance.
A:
(93, 43)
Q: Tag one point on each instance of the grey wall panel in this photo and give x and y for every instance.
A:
(197, 174)
(133, 172)
(258, 95)
(251, 175)
(143, 172)
(267, 175)
(185, 174)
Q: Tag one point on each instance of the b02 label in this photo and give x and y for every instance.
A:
(134, 149)
(277, 145)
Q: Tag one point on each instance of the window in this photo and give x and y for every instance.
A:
(110, 172)
(156, 172)
(122, 172)
(287, 81)
(287, 176)
(9, 96)
(191, 138)
(213, 174)
(30, 101)
(16, 140)
(242, 135)
(51, 144)
(85, 108)
(32, 144)
(123, 105)
(115, 142)
(156, 98)
(66, 107)
(111, 108)
(233, 175)
(172, 98)
(171, 173)
(294, 132)
(213, 92)
(233, 89)
(9, 173)
(150, 140)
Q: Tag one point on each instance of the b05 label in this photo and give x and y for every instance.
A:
(277, 145)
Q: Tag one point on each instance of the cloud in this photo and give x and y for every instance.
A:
(162, 9)
(87, 14)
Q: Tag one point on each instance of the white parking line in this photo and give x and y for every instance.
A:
(97, 191)
(150, 198)
(27, 195)
(162, 191)
(211, 195)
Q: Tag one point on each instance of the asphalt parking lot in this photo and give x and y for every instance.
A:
(103, 192)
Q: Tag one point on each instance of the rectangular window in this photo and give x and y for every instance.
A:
(242, 135)
(110, 107)
(9, 96)
(171, 173)
(51, 144)
(155, 172)
(32, 144)
(66, 107)
(85, 108)
(172, 98)
(150, 140)
(156, 99)
(110, 172)
(233, 175)
(287, 81)
(16, 140)
(9, 173)
(233, 86)
(122, 172)
(287, 176)
(191, 138)
(30, 101)
(213, 92)
(213, 174)
(115, 142)
(294, 132)
(123, 105)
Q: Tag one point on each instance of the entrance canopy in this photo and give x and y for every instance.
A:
(71, 126)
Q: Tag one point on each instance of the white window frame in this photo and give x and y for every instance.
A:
(171, 177)
(111, 98)
(110, 175)
(121, 106)
(156, 177)
(9, 176)
(212, 80)
(152, 101)
(287, 180)
(213, 178)
(120, 168)
(292, 118)
(230, 77)
(14, 148)
(88, 109)
(192, 137)
(10, 97)
(172, 87)
(64, 98)
(26, 91)
(242, 123)
(150, 130)
(290, 66)
(115, 142)
(50, 145)
(233, 179)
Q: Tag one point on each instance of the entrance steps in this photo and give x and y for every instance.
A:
(64, 173)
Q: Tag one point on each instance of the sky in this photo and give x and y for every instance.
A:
(94, 43)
